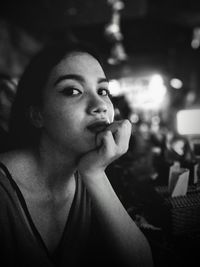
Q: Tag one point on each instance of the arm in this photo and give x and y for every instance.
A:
(122, 233)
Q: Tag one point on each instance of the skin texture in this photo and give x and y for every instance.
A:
(74, 103)
(76, 96)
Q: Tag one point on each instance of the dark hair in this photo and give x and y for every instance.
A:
(30, 89)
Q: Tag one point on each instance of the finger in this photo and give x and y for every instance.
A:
(120, 127)
(115, 141)
(113, 127)
(105, 139)
(122, 135)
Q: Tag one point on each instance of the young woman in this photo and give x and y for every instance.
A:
(57, 205)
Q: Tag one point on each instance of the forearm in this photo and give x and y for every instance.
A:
(120, 230)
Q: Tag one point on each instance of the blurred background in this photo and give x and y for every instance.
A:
(151, 46)
(151, 50)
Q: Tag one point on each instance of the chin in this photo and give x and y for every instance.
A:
(88, 146)
(83, 145)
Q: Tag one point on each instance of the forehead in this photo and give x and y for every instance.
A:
(80, 63)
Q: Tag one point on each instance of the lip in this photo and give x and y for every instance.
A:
(97, 126)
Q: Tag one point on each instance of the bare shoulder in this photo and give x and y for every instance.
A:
(12, 158)
(17, 163)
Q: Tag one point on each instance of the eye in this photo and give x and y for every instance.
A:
(104, 92)
(71, 91)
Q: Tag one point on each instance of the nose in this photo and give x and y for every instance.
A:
(97, 106)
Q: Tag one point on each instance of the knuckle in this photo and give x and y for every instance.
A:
(122, 150)
(125, 124)
(107, 133)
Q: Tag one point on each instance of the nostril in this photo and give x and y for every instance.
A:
(100, 110)
(97, 105)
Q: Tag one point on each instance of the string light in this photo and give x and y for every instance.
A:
(195, 43)
(113, 33)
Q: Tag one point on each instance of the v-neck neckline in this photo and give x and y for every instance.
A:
(28, 217)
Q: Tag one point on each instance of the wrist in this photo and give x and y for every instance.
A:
(92, 176)
(91, 173)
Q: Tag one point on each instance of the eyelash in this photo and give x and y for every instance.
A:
(107, 92)
(69, 91)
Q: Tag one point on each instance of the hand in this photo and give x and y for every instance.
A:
(111, 143)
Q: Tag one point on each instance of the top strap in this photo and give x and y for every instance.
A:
(23, 204)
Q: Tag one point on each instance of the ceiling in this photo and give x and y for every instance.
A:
(173, 19)
(155, 32)
(159, 28)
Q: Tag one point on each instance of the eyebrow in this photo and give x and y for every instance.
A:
(76, 77)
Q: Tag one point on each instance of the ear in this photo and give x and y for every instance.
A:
(36, 117)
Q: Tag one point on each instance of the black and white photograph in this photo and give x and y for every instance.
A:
(100, 133)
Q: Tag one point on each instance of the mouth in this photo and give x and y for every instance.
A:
(97, 127)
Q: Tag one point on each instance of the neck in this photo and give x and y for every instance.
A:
(57, 167)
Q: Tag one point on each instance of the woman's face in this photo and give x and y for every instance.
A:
(76, 102)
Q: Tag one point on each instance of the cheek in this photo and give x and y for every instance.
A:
(57, 119)
(61, 119)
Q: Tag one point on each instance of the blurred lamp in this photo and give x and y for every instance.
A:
(176, 83)
(115, 88)
(188, 122)
(195, 43)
